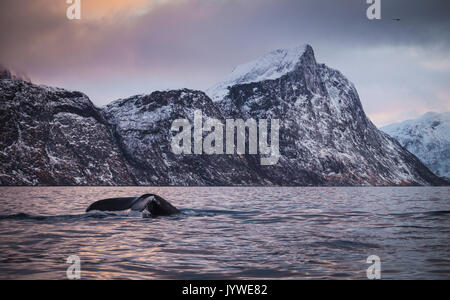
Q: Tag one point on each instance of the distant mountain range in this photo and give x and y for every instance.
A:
(427, 137)
(51, 136)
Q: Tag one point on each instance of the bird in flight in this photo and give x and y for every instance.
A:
(396, 20)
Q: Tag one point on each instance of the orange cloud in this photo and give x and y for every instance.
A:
(94, 9)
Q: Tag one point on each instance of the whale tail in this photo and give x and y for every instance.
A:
(155, 204)
(118, 204)
(161, 207)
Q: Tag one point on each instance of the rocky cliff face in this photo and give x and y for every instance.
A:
(52, 136)
(427, 137)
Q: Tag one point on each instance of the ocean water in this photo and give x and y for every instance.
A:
(228, 233)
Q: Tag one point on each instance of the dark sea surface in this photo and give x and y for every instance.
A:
(228, 233)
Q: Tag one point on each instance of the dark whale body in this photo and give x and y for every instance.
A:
(154, 204)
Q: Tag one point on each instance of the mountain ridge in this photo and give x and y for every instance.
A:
(326, 138)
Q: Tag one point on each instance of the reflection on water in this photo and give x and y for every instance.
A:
(228, 233)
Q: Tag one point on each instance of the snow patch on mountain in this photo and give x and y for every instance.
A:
(268, 67)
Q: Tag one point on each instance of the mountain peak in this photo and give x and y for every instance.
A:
(270, 66)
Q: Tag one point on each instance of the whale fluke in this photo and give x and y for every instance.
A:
(112, 204)
(160, 207)
(154, 204)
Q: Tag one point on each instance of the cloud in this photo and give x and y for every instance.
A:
(442, 64)
(124, 47)
(106, 8)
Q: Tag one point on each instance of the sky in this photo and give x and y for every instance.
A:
(120, 48)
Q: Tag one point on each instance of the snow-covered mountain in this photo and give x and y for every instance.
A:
(51, 136)
(326, 138)
(54, 136)
(141, 125)
(428, 138)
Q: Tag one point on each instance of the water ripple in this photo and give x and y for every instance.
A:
(275, 233)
